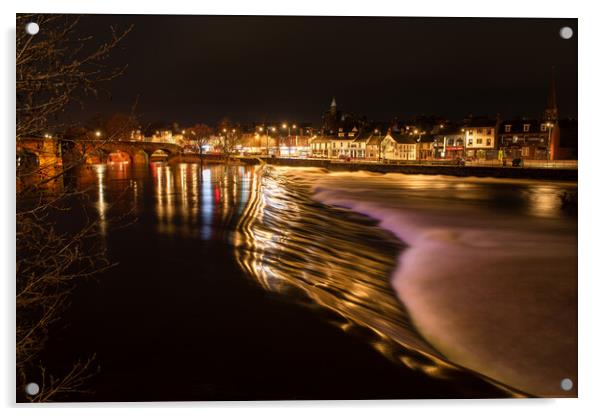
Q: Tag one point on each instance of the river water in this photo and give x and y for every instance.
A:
(242, 282)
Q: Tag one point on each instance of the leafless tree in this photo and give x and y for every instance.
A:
(231, 136)
(200, 134)
(54, 68)
(117, 126)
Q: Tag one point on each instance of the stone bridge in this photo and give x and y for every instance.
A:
(50, 150)
(137, 151)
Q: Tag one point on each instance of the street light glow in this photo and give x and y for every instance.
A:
(97, 133)
(283, 125)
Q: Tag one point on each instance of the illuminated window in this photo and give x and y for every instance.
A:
(526, 127)
(543, 127)
(488, 142)
(507, 128)
(479, 141)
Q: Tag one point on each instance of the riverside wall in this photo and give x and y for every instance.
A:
(421, 169)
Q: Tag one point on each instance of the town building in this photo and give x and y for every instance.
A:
(374, 146)
(425, 146)
(359, 145)
(479, 138)
(320, 146)
(340, 147)
(449, 142)
(399, 146)
(568, 146)
(525, 138)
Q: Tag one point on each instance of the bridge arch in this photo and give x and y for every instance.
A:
(162, 153)
(140, 156)
(119, 156)
(96, 156)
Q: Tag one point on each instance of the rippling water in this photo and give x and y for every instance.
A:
(294, 246)
(299, 234)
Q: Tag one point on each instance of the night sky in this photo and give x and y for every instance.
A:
(191, 69)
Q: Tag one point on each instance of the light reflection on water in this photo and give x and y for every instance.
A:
(333, 259)
(295, 247)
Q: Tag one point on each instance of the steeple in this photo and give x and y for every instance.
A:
(551, 113)
(333, 107)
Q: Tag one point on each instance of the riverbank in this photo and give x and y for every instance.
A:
(556, 174)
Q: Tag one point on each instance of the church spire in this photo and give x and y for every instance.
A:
(551, 112)
(333, 106)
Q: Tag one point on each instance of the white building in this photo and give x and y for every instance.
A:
(479, 138)
(397, 146)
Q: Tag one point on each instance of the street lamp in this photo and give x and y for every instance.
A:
(97, 133)
(267, 141)
(380, 150)
(296, 139)
(284, 127)
(549, 126)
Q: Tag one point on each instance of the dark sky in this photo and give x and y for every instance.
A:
(190, 69)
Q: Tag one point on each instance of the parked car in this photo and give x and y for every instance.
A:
(517, 163)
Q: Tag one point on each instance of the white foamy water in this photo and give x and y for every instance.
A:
(490, 274)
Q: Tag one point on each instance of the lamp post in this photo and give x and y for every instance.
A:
(419, 133)
(267, 141)
(377, 131)
(549, 126)
(284, 127)
(296, 139)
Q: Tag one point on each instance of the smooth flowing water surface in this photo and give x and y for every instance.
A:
(241, 282)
